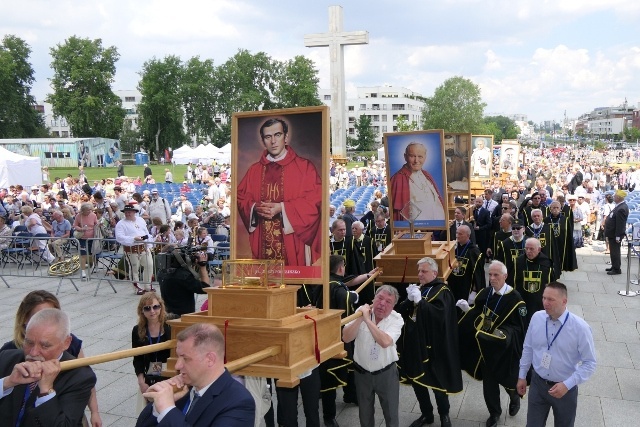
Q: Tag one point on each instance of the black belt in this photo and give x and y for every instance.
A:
(549, 383)
(361, 370)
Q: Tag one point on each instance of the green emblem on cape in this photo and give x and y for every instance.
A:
(523, 311)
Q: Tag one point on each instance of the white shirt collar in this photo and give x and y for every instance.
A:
(280, 157)
(503, 290)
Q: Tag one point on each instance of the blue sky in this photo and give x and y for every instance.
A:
(536, 57)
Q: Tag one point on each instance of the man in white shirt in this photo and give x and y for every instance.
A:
(375, 356)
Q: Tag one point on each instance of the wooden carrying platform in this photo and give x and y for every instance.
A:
(262, 317)
(400, 258)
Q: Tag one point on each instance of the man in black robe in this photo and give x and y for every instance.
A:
(491, 335)
(428, 346)
(535, 204)
(459, 220)
(498, 236)
(533, 271)
(512, 247)
(481, 224)
(562, 233)
(343, 245)
(542, 232)
(467, 275)
(380, 232)
(365, 251)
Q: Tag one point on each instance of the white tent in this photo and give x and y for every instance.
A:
(182, 155)
(18, 169)
(381, 155)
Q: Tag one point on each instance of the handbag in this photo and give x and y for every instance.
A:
(78, 234)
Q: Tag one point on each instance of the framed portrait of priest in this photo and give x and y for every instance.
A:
(279, 186)
(481, 160)
(416, 165)
(509, 156)
(456, 151)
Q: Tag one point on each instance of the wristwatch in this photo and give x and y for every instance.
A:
(46, 393)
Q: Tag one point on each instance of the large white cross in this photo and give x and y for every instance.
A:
(336, 39)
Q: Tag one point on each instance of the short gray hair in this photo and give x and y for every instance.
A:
(503, 268)
(433, 266)
(52, 316)
(391, 291)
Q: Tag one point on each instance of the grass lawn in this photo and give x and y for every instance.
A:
(93, 174)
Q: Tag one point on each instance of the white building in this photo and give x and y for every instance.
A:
(604, 122)
(383, 104)
(130, 100)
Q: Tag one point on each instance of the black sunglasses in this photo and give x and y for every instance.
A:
(155, 307)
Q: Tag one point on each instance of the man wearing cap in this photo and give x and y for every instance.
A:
(615, 229)
(535, 204)
(512, 247)
(348, 216)
(132, 234)
(412, 183)
(159, 207)
(279, 201)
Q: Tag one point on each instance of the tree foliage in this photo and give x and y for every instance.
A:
(456, 106)
(18, 117)
(404, 126)
(366, 135)
(500, 127)
(83, 71)
(200, 97)
(160, 111)
(296, 83)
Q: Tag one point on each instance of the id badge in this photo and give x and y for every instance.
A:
(156, 368)
(375, 352)
(546, 360)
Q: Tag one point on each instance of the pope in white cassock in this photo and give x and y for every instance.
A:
(481, 159)
(413, 183)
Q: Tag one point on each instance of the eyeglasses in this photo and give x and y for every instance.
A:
(504, 208)
(154, 307)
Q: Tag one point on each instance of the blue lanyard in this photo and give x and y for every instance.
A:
(27, 393)
(426, 295)
(546, 328)
(487, 302)
(464, 250)
(157, 342)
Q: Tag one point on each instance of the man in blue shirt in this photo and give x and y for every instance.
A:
(556, 342)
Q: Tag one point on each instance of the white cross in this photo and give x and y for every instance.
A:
(336, 39)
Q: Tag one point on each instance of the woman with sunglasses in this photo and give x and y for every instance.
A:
(151, 329)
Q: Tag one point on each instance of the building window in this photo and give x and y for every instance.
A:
(352, 131)
(327, 97)
(384, 128)
(375, 107)
(363, 106)
(129, 99)
(384, 106)
(352, 119)
(351, 108)
(375, 118)
(397, 106)
(374, 95)
(384, 117)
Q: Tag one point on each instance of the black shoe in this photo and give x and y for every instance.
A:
(608, 269)
(331, 422)
(422, 421)
(614, 272)
(514, 404)
(349, 399)
(445, 421)
(492, 421)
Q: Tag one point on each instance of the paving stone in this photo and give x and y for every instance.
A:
(613, 354)
(598, 314)
(603, 383)
(629, 380)
(620, 413)
(621, 332)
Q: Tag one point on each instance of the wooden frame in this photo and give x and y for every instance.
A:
(480, 156)
(307, 195)
(509, 156)
(399, 172)
(457, 148)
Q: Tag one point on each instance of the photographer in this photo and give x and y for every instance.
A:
(178, 282)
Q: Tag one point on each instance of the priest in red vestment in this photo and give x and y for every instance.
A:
(279, 201)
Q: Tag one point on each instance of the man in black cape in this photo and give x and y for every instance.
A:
(380, 232)
(498, 236)
(562, 233)
(511, 248)
(491, 335)
(334, 373)
(467, 275)
(365, 252)
(533, 271)
(428, 346)
(343, 245)
(542, 231)
(535, 204)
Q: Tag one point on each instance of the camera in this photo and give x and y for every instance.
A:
(188, 253)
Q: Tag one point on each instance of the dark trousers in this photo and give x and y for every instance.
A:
(491, 392)
(540, 401)
(614, 249)
(422, 394)
(288, 402)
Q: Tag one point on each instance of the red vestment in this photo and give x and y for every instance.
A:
(400, 191)
(299, 189)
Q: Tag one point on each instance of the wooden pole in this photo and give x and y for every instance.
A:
(369, 280)
(232, 366)
(348, 319)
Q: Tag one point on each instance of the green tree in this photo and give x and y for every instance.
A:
(404, 126)
(366, 135)
(18, 117)
(199, 97)
(456, 106)
(296, 83)
(83, 71)
(504, 128)
(160, 111)
(130, 137)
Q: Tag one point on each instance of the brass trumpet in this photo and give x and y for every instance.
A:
(66, 267)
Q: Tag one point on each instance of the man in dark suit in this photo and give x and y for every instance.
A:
(215, 398)
(615, 228)
(482, 224)
(459, 219)
(37, 393)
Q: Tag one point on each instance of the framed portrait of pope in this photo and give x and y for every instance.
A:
(279, 189)
(416, 166)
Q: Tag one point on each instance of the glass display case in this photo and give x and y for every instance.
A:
(253, 273)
